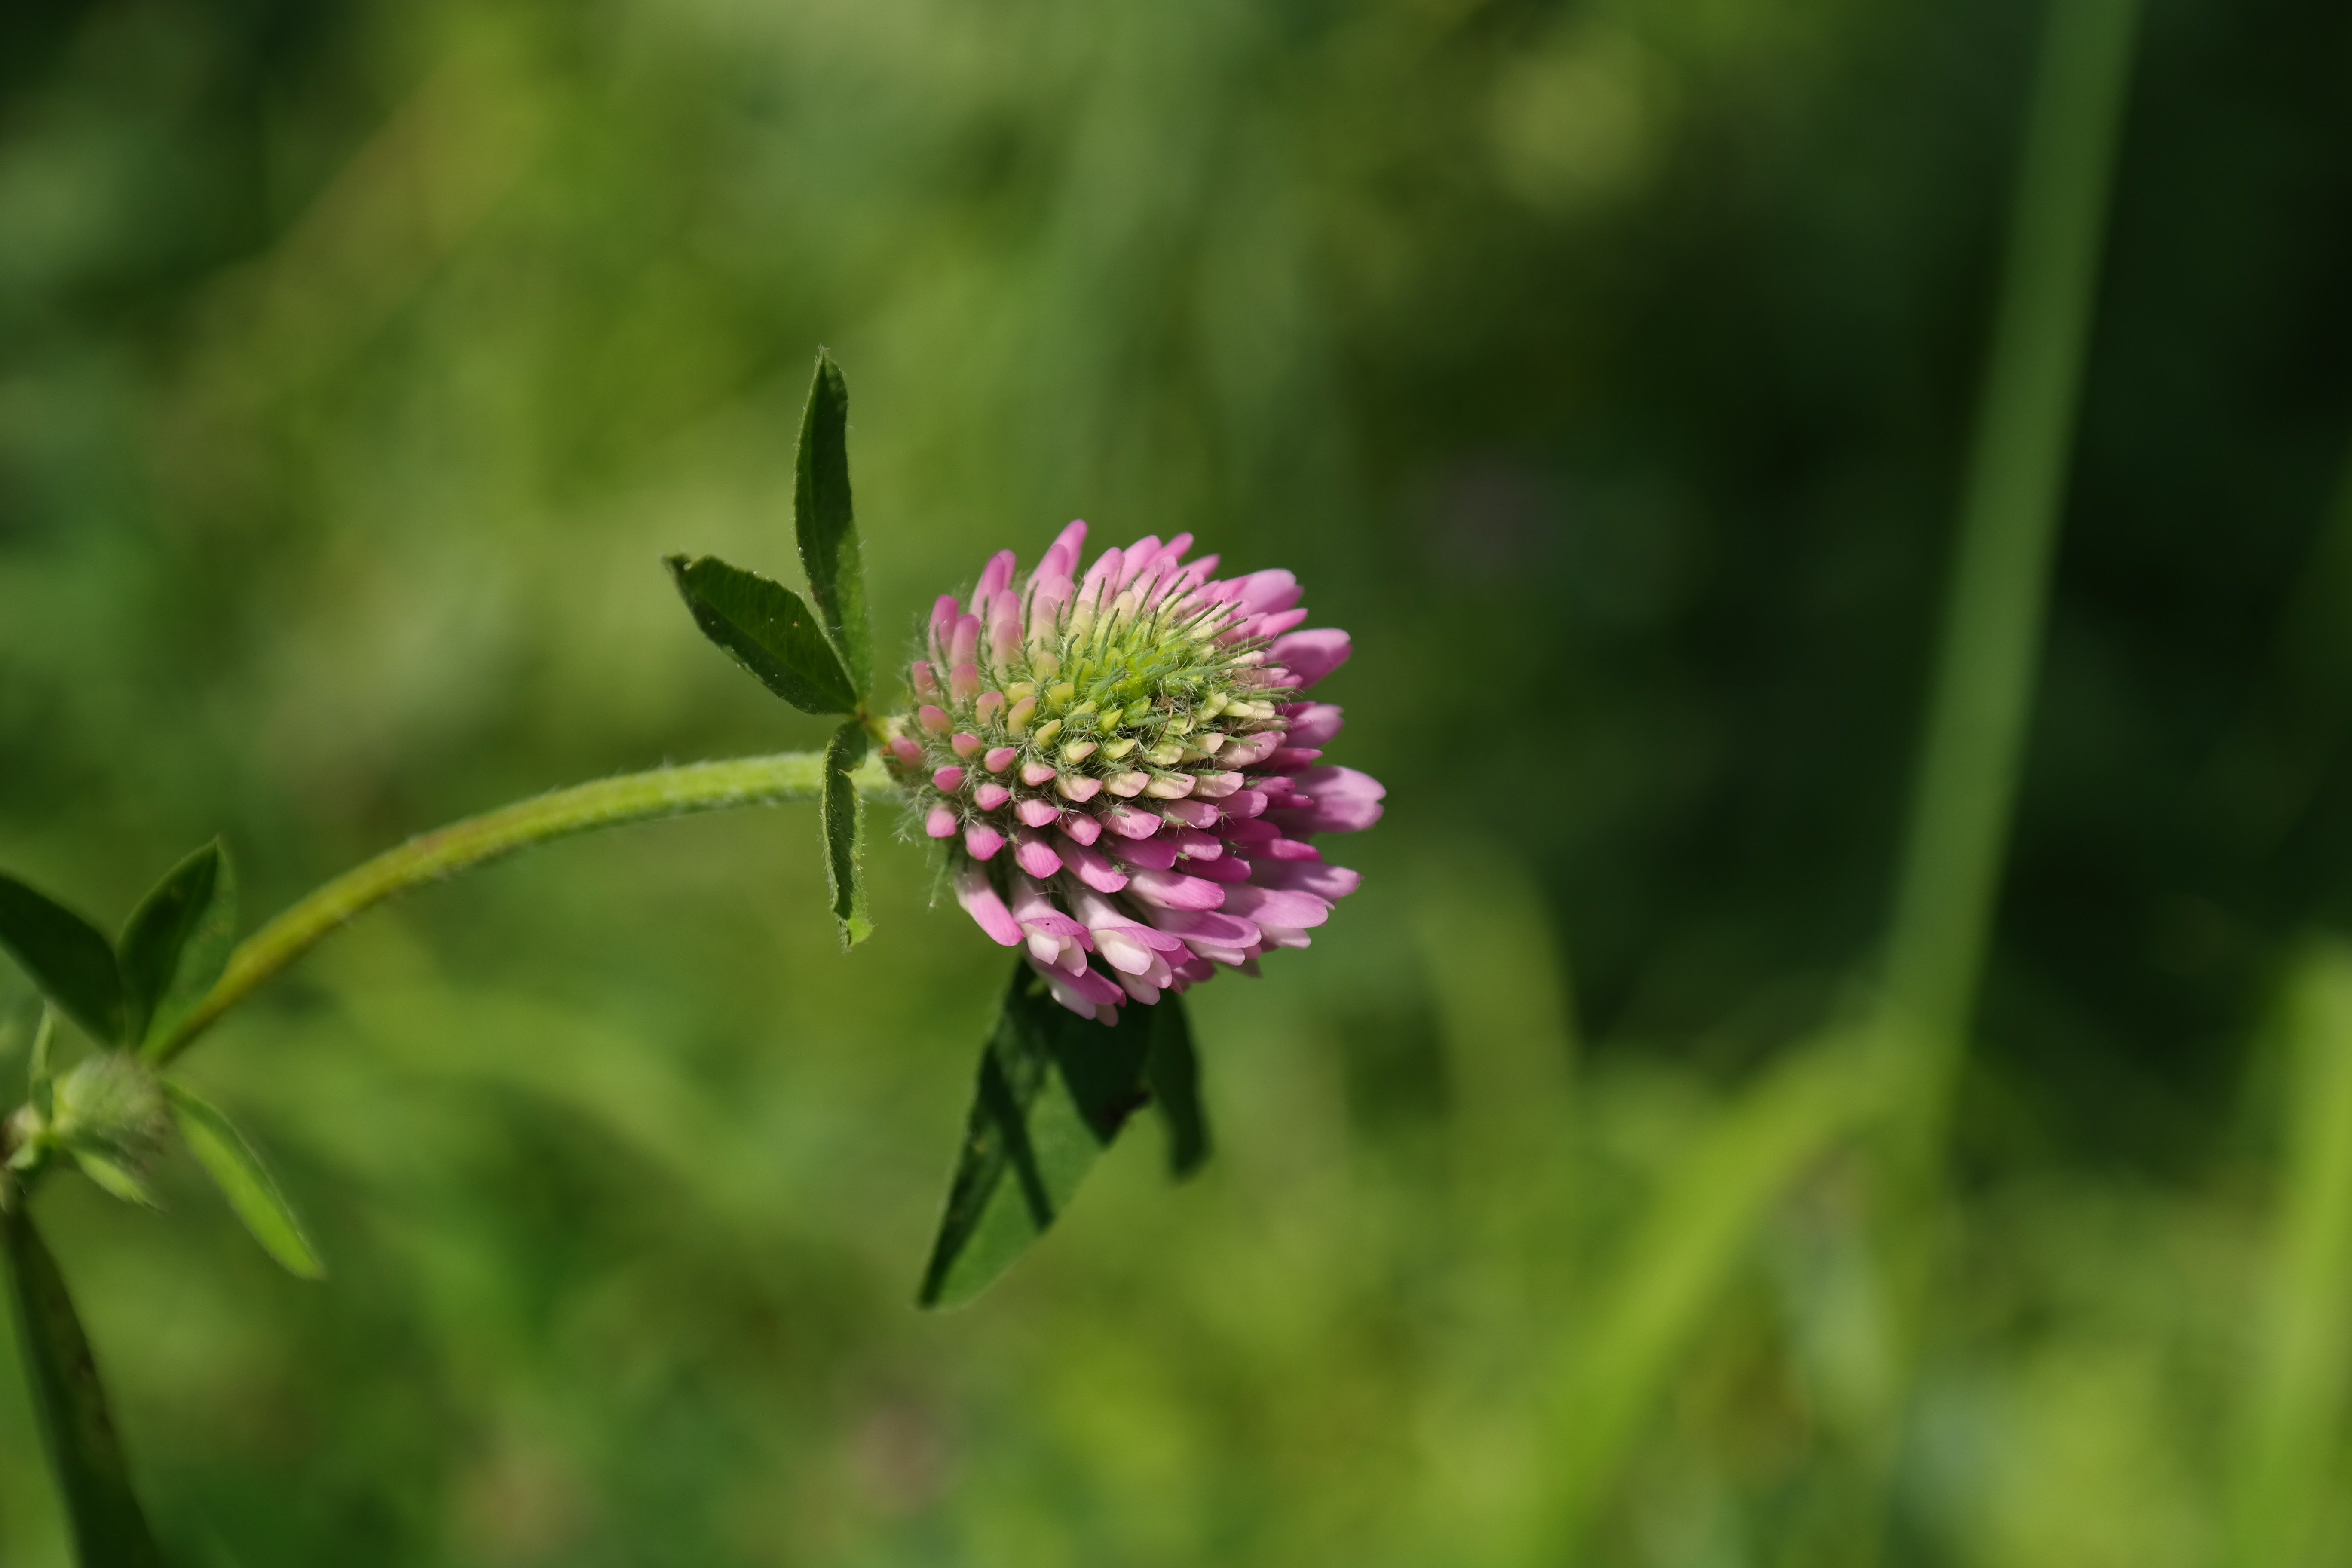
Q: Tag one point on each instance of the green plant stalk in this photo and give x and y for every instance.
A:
(1967, 784)
(444, 853)
(2284, 1450)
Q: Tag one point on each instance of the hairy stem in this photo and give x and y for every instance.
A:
(462, 845)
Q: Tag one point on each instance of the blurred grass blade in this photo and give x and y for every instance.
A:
(827, 525)
(69, 959)
(845, 833)
(108, 1530)
(178, 941)
(2289, 1440)
(1054, 1090)
(1676, 1264)
(244, 1181)
(1171, 1072)
(1993, 615)
(768, 630)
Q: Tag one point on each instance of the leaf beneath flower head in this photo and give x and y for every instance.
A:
(845, 833)
(1172, 1073)
(768, 631)
(178, 941)
(108, 1530)
(1054, 1089)
(826, 524)
(69, 959)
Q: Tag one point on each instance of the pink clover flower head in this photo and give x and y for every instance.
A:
(1125, 768)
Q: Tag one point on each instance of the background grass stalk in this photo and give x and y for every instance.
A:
(2285, 1446)
(444, 853)
(1966, 782)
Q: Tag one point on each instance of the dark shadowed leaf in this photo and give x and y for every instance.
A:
(768, 630)
(178, 941)
(827, 527)
(108, 1530)
(1054, 1089)
(845, 833)
(244, 1181)
(67, 958)
(1172, 1074)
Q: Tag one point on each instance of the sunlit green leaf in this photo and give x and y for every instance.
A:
(1055, 1088)
(768, 631)
(69, 959)
(178, 941)
(827, 526)
(845, 833)
(1172, 1073)
(69, 1404)
(244, 1181)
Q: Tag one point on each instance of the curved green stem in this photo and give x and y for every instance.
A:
(462, 845)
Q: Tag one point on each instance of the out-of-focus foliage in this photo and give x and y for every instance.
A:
(1605, 368)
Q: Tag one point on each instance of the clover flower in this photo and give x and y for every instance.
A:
(1124, 771)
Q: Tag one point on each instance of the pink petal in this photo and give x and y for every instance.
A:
(940, 823)
(980, 902)
(1206, 925)
(1037, 813)
(1091, 868)
(1311, 656)
(1262, 592)
(1276, 906)
(1317, 876)
(982, 842)
(1129, 823)
(1155, 854)
(946, 780)
(1314, 723)
(1035, 855)
(1174, 890)
(991, 796)
(1079, 825)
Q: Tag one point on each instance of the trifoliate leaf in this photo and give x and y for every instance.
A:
(178, 941)
(826, 524)
(845, 833)
(69, 1403)
(69, 959)
(244, 1181)
(768, 630)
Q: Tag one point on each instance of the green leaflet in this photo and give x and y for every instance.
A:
(69, 959)
(845, 833)
(826, 524)
(108, 1530)
(244, 1181)
(177, 942)
(1054, 1089)
(768, 631)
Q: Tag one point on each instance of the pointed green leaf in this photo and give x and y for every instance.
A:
(1172, 1073)
(244, 1181)
(768, 630)
(69, 959)
(845, 833)
(114, 1178)
(178, 941)
(69, 1403)
(1054, 1089)
(826, 524)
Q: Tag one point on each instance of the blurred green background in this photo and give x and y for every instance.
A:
(1609, 369)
